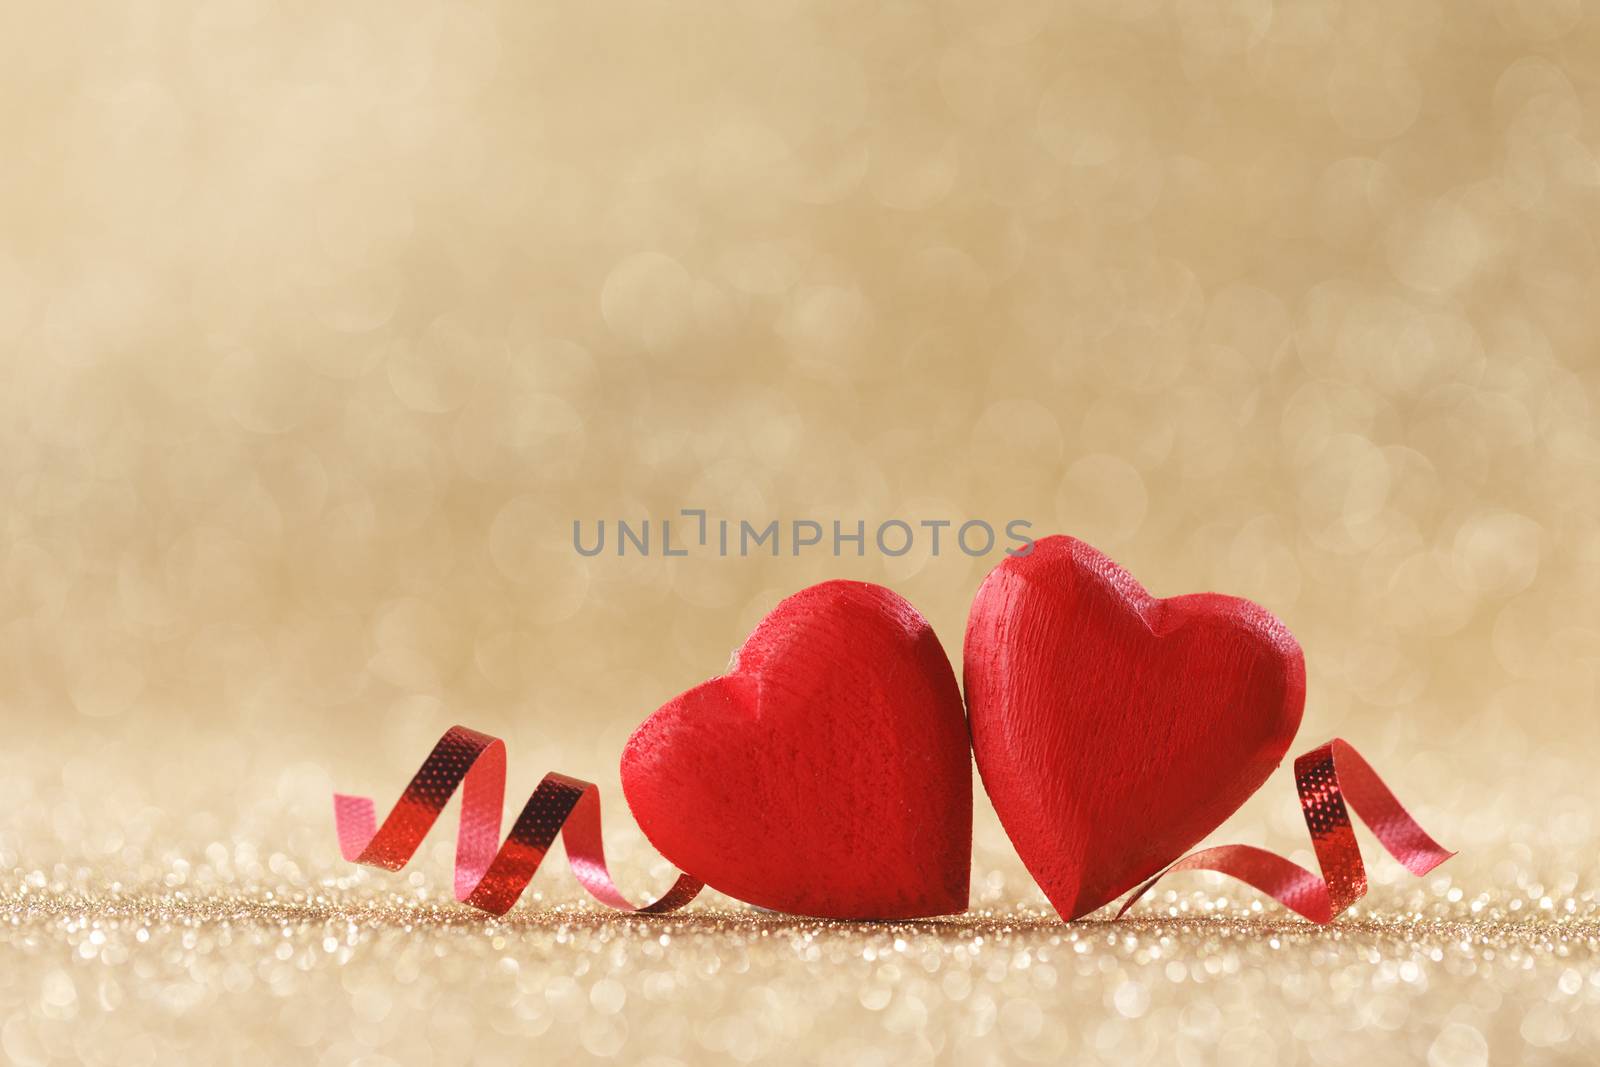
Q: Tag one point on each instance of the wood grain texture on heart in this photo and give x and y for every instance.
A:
(826, 773)
(1114, 729)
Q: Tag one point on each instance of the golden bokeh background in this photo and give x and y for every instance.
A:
(321, 326)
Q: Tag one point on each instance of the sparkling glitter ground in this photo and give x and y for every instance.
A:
(348, 976)
(207, 917)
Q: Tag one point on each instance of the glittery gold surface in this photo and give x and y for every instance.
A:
(320, 325)
(342, 977)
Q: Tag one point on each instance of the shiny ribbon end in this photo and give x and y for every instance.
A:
(1326, 777)
(491, 875)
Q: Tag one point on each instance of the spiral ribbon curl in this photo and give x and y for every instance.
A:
(1326, 777)
(491, 875)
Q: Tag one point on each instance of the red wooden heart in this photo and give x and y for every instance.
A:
(1113, 730)
(826, 773)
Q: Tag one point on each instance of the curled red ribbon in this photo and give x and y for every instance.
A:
(491, 875)
(1326, 777)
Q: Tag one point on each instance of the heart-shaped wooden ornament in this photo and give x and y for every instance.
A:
(826, 773)
(1113, 729)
